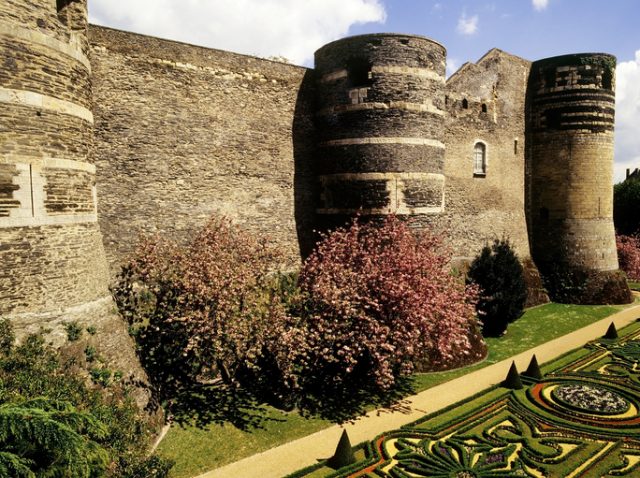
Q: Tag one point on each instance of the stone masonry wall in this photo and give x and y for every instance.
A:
(50, 244)
(44, 268)
(485, 104)
(184, 132)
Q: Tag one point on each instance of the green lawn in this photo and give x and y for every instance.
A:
(537, 326)
(634, 285)
(197, 450)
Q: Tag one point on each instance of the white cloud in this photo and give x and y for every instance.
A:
(467, 25)
(452, 66)
(290, 28)
(540, 5)
(627, 136)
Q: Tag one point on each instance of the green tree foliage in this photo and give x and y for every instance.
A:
(503, 292)
(626, 204)
(53, 424)
(44, 437)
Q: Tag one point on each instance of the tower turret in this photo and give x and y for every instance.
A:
(380, 125)
(570, 163)
(53, 262)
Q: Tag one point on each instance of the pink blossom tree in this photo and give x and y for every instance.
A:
(204, 308)
(378, 299)
(629, 255)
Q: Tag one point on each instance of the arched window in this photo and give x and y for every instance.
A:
(465, 103)
(479, 159)
(484, 107)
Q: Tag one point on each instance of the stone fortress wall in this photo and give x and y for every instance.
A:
(380, 126)
(146, 135)
(51, 250)
(184, 132)
(485, 105)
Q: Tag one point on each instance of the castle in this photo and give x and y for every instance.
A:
(106, 134)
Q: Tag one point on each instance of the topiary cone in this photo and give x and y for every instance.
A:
(612, 333)
(533, 371)
(344, 453)
(513, 378)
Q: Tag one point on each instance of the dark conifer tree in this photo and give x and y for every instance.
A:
(500, 276)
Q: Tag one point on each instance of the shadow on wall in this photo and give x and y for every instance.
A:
(305, 185)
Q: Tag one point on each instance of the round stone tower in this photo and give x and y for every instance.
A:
(380, 126)
(54, 268)
(570, 162)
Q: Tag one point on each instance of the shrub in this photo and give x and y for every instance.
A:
(200, 309)
(90, 353)
(44, 437)
(626, 197)
(152, 467)
(572, 285)
(94, 424)
(503, 292)
(629, 255)
(73, 330)
(375, 300)
(100, 376)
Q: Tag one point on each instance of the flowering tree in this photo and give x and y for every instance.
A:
(629, 255)
(379, 298)
(201, 309)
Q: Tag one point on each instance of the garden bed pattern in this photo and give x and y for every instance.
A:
(582, 419)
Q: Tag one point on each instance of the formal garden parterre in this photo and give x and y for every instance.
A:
(581, 419)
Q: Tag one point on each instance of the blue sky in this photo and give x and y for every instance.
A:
(294, 29)
(468, 29)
